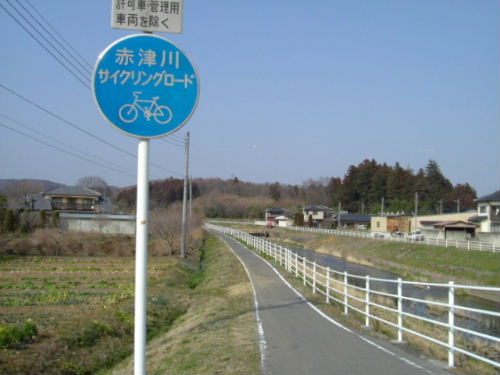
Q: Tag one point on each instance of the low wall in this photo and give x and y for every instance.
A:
(101, 223)
(488, 237)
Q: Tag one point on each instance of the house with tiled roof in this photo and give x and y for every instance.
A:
(66, 198)
(488, 213)
(318, 215)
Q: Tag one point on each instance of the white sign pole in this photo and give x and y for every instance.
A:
(141, 258)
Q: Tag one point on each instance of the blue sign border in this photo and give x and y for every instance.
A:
(145, 95)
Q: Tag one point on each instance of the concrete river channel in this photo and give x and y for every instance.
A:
(470, 320)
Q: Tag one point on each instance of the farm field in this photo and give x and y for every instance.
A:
(75, 304)
(74, 315)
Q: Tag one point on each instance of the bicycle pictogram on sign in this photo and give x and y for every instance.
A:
(145, 86)
(150, 108)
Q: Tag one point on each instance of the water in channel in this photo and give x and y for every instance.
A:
(469, 320)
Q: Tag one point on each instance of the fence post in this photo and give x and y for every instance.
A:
(304, 261)
(345, 293)
(327, 284)
(296, 265)
(451, 323)
(314, 277)
(288, 260)
(400, 310)
(367, 302)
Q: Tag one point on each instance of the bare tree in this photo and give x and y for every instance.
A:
(165, 224)
(95, 183)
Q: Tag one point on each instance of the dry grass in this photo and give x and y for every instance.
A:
(83, 307)
(217, 334)
(54, 242)
(410, 260)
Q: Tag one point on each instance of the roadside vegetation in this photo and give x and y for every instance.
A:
(217, 332)
(66, 305)
(412, 261)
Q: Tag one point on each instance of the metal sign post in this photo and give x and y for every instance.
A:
(146, 87)
(141, 258)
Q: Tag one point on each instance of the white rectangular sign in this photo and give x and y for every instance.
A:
(148, 15)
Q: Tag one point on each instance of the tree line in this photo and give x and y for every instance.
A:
(370, 187)
(364, 186)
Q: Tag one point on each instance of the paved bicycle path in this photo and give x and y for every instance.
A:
(296, 338)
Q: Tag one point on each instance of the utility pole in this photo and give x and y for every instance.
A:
(382, 209)
(458, 206)
(416, 210)
(190, 211)
(338, 216)
(184, 201)
(190, 197)
(440, 206)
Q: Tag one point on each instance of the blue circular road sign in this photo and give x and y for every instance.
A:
(145, 86)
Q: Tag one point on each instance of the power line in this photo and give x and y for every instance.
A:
(82, 81)
(66, 121)
(61, 143)
(86, 72)
(172, 142)
(177, 137)
(63, 55)
(68, 53)
(80, 129)
(65, 151)
(54, 30)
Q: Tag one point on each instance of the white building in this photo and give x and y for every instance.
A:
(488, 213)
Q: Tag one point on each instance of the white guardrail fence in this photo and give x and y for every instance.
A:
(353, 292)
(466, 245)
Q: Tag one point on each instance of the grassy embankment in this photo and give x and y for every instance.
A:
(412, 261)
(74, 315)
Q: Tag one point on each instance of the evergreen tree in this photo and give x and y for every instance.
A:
(379, 183)
(400, 184)
(275, 191)
(298, 219)
(438, 186)
(466, 194)
(10, 221)
(334, 191)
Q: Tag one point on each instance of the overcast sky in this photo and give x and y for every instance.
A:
(290, 90)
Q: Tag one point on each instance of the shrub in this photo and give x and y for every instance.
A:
(55, 219)
(10, 221)
(90, 335)
(16, 335)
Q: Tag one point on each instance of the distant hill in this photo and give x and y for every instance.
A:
(16, 189)
(8, 185)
